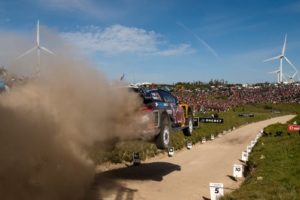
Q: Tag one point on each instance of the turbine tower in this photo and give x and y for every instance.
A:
(282, 57)
(37, 47)
(277, 72)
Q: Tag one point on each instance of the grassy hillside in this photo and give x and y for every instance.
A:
(123, 150)
(274, 167)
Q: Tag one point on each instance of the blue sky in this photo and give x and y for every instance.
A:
(169, 41)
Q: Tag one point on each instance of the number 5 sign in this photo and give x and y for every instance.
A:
(216, 190)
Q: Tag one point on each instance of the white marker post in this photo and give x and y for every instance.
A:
(249, 149)
(203, 140)
(258, 135)
(212, 136)
(136, 158)
(171, 151)
(261, 131)
(237, 171)
(245, 156)
(216, 190)
(189, 145)
(253, 142)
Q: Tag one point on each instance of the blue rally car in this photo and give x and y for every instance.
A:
(164, 114)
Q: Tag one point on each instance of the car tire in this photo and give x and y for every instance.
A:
(188, 131)
(163, 138)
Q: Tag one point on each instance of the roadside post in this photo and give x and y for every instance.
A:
(244, 156)
(136, 159)
(237, 171)
(189, 145)
(171, 151)
(203, 140)
(253, 142)
(249, 149)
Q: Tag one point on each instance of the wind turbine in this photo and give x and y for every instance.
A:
(37, 47)
(281, 57)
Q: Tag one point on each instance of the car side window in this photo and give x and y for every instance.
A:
(156, 96)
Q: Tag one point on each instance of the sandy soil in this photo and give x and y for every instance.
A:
(187, 174)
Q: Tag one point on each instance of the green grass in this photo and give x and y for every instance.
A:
(123, 151)
(280, 169)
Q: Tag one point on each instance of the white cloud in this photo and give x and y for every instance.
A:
(121, 39)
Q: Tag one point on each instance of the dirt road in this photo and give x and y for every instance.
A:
(187, 174)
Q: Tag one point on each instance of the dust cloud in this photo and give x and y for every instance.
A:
(48, 123)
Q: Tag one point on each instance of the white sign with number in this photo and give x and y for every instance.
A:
(189, 145)
(237, 171)
(171, 151)
(245, 156)
(216, 190)
(203, 140)
(212, 136)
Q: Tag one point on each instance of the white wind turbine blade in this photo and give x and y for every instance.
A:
(273, 58)
(38, 33)
(122, 77)
(273, 72)
(27, 52)
(47, 50)
(284, 45)
(287, 60)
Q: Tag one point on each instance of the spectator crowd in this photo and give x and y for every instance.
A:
(222, 98)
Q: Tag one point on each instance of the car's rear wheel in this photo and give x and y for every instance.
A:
(188, 131)
(163, 138)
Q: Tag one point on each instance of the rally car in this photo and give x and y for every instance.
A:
(164, 114)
